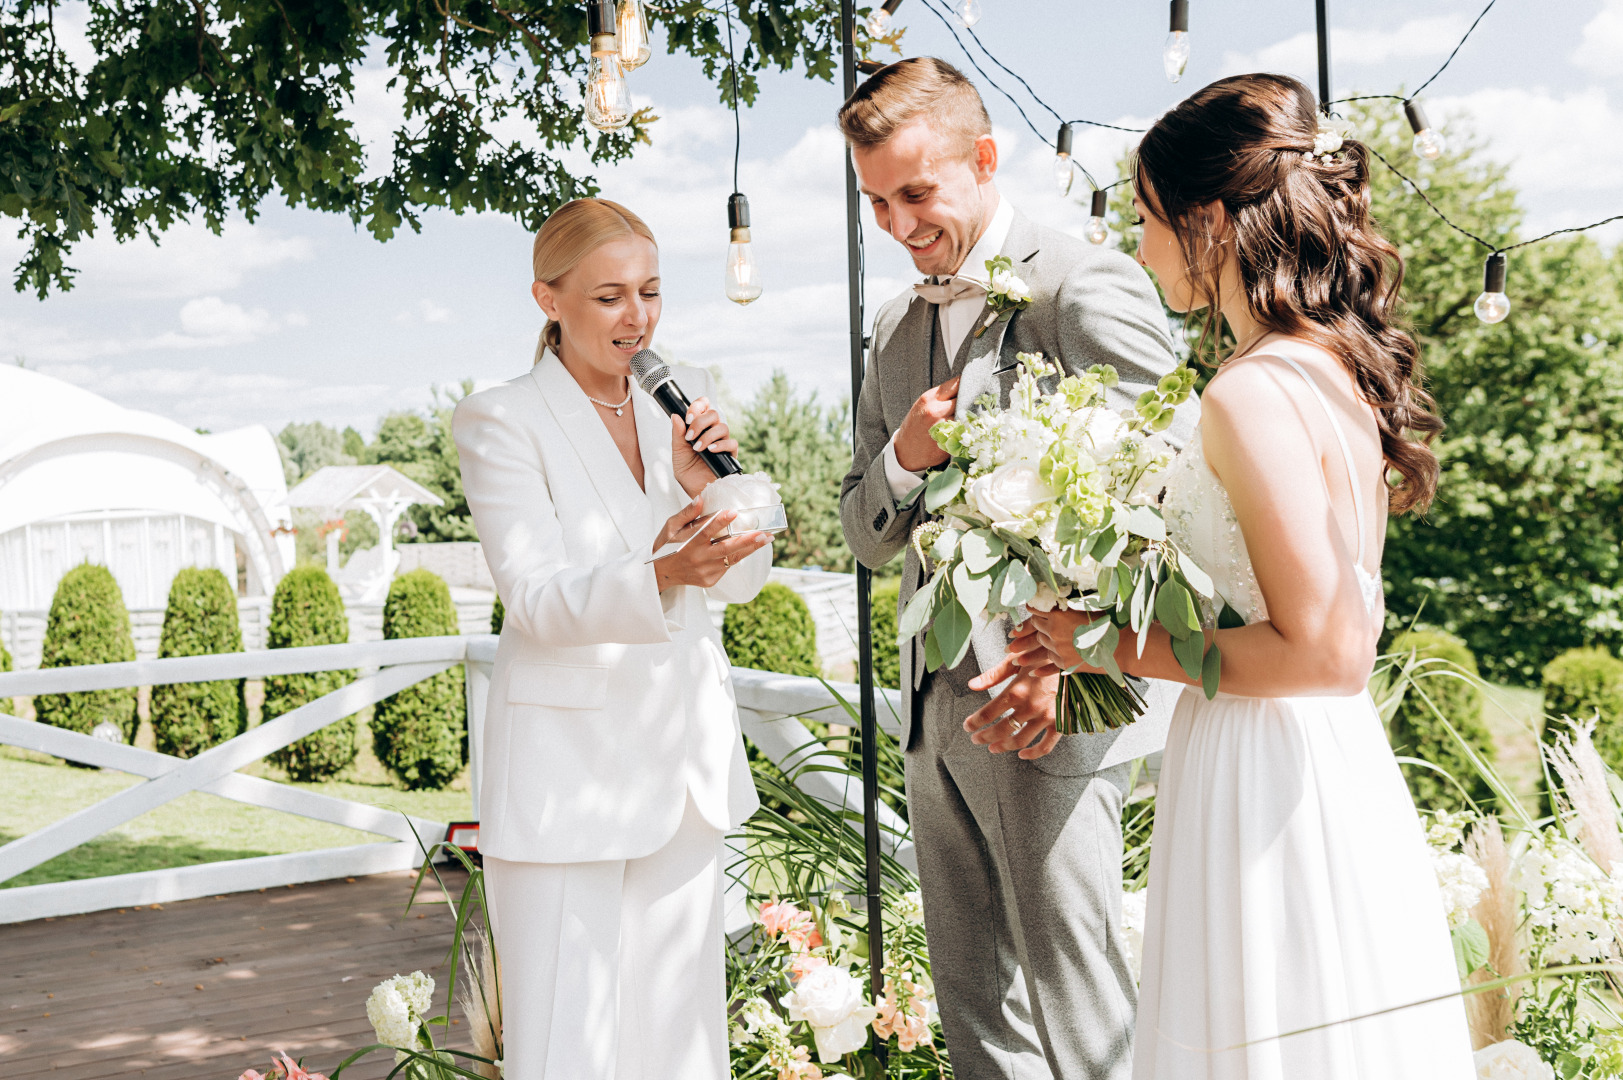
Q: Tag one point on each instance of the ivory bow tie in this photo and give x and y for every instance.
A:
(950, 289)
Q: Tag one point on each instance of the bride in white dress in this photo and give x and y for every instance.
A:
(1290, 886)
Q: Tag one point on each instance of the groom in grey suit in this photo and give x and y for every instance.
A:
(1019, 849)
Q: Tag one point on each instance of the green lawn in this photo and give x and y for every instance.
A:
(1515, 715)
(195, 828)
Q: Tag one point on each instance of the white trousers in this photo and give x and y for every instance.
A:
(614, 970)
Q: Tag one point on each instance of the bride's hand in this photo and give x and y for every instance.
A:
(705, 427)
(1054, 634)
(707, 552)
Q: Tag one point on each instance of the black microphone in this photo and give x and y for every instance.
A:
(656, 379)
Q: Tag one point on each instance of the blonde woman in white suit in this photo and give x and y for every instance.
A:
(613, 763)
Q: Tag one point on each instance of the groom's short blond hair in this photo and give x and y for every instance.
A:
(907, 90)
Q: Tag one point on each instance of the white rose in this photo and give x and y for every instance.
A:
(742, 491)
(1019, 291)
(830, 999)
(1001, 280)
(1511, 1060)
(1009, 493)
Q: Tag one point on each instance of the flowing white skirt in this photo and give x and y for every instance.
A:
(1290, 887)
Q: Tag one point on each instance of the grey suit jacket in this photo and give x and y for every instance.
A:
(1090, 305)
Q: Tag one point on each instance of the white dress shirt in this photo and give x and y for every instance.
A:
(957, 319)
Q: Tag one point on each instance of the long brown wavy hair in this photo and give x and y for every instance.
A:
(1310, 258)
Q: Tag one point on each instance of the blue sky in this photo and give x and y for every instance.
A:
(298, 316)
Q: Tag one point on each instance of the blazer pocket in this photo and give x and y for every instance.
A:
(558, 686)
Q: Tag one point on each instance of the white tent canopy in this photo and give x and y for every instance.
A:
(84, 479)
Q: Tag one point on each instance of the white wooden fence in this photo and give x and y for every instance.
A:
(772, 709)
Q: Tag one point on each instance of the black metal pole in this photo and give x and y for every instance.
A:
(1324, 55)
(870, 722)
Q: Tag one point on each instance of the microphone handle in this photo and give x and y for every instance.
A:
(670, 396)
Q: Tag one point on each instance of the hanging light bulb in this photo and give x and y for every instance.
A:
(743, 276)
(879, 20)
(1428, 141)
(1064, 171)
(968, 12)
(608, 102)
(1098, 231)
(631, 31)
(1175, 55)
(1493, 305)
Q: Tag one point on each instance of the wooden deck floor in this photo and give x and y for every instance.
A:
(204, 989)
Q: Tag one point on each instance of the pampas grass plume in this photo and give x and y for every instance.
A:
(481, 1002)
(1492, 1012)
(1583, 777)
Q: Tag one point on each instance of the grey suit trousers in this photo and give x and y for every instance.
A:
(1020, 868)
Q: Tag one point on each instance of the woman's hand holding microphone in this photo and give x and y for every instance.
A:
(705, 428)
(708, 552)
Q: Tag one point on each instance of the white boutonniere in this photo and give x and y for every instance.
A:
(1006, 293)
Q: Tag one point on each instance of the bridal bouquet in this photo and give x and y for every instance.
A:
(1051, 502)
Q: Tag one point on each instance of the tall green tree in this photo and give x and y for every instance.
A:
(805, 446)
(1519, 554)
(421, 446)
(313, 446)
(199, 108)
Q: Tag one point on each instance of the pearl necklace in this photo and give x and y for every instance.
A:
(619, 410)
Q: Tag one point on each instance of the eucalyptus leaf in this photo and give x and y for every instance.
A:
(953, 628)
(1039, 563)
(981, 550)
(1228, 618)
(1102, 545)
(916, 616)
(1189, 652)
(946, 545)
(1197, 579)
(1069, 527)
(1100, 650)
(1175, 608)
(1146, 521)
(1137, 608)
(972, 589)
(912, 496)
(1018, 586)
(1089, 634)
(932, 651)
(942, 488)
(1211, 670)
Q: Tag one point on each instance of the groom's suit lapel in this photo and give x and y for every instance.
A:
(983, 357)
(600, 458)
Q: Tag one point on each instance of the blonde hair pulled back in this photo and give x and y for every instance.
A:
(572, 232)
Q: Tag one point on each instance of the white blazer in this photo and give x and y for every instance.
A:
(610, 703)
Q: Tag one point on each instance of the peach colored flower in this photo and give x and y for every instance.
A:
(784, 918)
(283, 1069)
(803, 962)
(799, 1067)
(907, 1018)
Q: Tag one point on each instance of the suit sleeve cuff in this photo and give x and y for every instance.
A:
(901, 481)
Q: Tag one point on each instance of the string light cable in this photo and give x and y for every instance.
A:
(742, 279)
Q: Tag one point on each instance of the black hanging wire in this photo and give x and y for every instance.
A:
(1410, 97)
(732, 69)
(946, 21)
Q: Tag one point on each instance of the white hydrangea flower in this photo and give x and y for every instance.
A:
(1511, 1060)
(1571, 903)
(1462, 883)
(832, 1002)
(397, 1008)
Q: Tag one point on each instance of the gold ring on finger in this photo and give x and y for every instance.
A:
(725, 561)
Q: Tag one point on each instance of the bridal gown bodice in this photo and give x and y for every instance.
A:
(1290, 885)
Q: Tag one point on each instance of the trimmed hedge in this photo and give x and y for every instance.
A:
(420, 734)
(307, 610)
(498, 615)
(773, 632)
(88, 625)
(5, 665)
(200, 620)
(1416, 732)
(1579, 683)
(887, 657)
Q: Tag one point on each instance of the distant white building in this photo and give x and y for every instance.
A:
(83, 479)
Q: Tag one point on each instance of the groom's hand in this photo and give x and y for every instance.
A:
(915, 450)
(1021, 718)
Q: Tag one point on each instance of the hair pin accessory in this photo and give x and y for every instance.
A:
(1329, 140)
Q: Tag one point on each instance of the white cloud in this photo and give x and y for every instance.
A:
(427, 311)
(1564, 177)
(1298, 55)
(1602, 50)
(210, 321)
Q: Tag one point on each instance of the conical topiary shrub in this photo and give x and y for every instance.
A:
(307, 610)
(419, 733)
(88, 625)
(200, 620)
(773, 632)
(887, 655)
